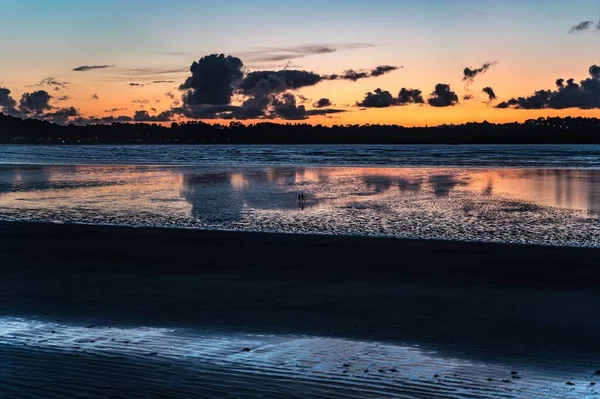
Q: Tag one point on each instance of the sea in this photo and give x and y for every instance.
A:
(526, 194)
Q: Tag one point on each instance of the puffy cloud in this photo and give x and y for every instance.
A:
(85, 68)
(582, 26)
(143, 116)
(410, 96)
(35, 103)
(277, 81)
(322, 103)
(490, 92)
(568, 94)
(62, 115)
(469, 74)
(378, 99)
(285, 107)
(6, 100)
(442, 96)
(383, 98)
(213, 81)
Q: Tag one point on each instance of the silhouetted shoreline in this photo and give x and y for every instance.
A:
(535, 131)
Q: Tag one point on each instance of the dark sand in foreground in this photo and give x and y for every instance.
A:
(510, 307)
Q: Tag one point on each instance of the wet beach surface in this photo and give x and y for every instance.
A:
(209, 313)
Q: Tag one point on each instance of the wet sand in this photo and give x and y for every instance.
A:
(164, 312)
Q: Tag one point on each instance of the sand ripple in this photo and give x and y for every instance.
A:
(45, 359)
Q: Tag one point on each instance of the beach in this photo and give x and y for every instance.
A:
(157, 312)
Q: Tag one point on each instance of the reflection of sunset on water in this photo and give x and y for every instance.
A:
(506, 205)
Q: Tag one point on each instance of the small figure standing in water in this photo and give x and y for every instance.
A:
(301, 199)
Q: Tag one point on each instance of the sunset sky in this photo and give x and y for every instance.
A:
(135, 56)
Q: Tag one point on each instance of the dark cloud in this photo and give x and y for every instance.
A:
(467, 97)
(140, 101)
(63, 98)
(383, 69)
(383, 98)
(95, 96)
(285, 107)
(469, 74)
(277, 81)
(85, 68)
(378, 99)
(490, 92)
(410, 96)
(52, 82)
(582, 26)
(115, 109)
(6, 100)
(442, 96)
(213, 81)
(143, 116)
(322, 103)
(351, 74)
(35, 103)
(154, 82)
(568, 94)
(170, 95)
(62, 115)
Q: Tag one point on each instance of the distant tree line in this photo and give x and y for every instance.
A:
(535, 131)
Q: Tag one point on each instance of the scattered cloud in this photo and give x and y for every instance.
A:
(115, 109)
(144, 116)
(322, 103)
(490, 92)
(95, 96)
(85, 68)
(383, 98)
(353, 75)
(35, 103)
(469, 74)
(568, 94)
(52, 82)
(6, 100)
(582, 26)
(62, 115)
(275, 54)
(442, 96)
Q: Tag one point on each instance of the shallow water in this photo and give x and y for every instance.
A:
(535, 206)
(514, 156)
